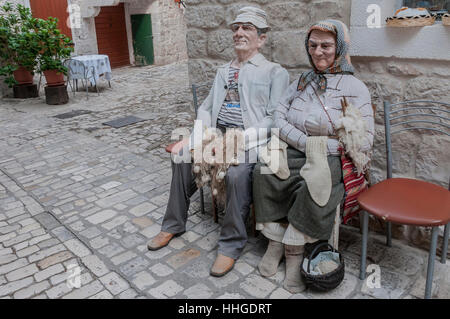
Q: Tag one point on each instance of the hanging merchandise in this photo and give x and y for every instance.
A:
(180, 3)
(446, 19)
(411, 17)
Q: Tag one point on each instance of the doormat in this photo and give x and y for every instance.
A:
(72, 114)
(124, 121)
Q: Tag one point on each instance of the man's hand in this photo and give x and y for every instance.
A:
(179, 146)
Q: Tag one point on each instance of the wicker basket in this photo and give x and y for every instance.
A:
(416, 21)
(446, 19)
(326, 281)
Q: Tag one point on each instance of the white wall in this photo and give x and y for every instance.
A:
(84, 37)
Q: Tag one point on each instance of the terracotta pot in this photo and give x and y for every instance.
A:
(54, 78)
(23, 76)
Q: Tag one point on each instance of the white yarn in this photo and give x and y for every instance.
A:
(221, 175)
(352, 130)
(214, 156)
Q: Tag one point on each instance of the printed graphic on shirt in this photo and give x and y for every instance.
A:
(230, 114)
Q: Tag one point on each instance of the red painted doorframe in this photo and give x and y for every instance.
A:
(112, 35)
(56, 8)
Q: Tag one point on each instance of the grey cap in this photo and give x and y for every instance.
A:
(253, 15)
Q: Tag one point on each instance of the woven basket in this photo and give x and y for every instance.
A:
(417, 21)
(446, 19)
(326, 281)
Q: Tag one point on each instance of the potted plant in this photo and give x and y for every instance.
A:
(18, 44)
(54, 48)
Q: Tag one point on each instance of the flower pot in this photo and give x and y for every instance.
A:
(23, 76)
(54, 78)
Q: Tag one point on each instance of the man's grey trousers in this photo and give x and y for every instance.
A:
(233, 235)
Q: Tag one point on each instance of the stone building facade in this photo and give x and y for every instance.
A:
(395, 65)
(168, 27)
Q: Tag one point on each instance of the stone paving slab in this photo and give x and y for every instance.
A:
(76, 193)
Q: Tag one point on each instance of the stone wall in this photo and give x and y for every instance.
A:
(209, 39)
(168, 28)
(172, 33)
(209, 42)
(84, 35)
(425, 156)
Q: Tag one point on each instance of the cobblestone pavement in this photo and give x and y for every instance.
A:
(77, 192)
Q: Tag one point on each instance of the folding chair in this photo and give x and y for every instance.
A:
(77, 70)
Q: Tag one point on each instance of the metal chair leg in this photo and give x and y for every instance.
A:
(445, 244)
(365, 229)
(96, 87)
(70, 85)
(431, 257)
(253, 216)
(389, 234)
(202, 201)
(215, 209)
(361, 223)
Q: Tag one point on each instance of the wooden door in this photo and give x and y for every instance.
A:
(55, 8)
(112, 35)
(141, 25)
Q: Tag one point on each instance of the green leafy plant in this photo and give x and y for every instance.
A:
(54, 46)
(19, 46)
(32, 43)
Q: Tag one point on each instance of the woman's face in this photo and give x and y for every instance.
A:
(322, 48)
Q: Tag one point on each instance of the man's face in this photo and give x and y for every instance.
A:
(322, 48)
(246, 38)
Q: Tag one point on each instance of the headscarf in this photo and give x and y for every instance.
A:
(342, 63)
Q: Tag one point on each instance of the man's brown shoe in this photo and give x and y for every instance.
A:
(222, 266)
(161, 240)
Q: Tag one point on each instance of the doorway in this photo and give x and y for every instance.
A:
(141, 25)
(112, 35)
